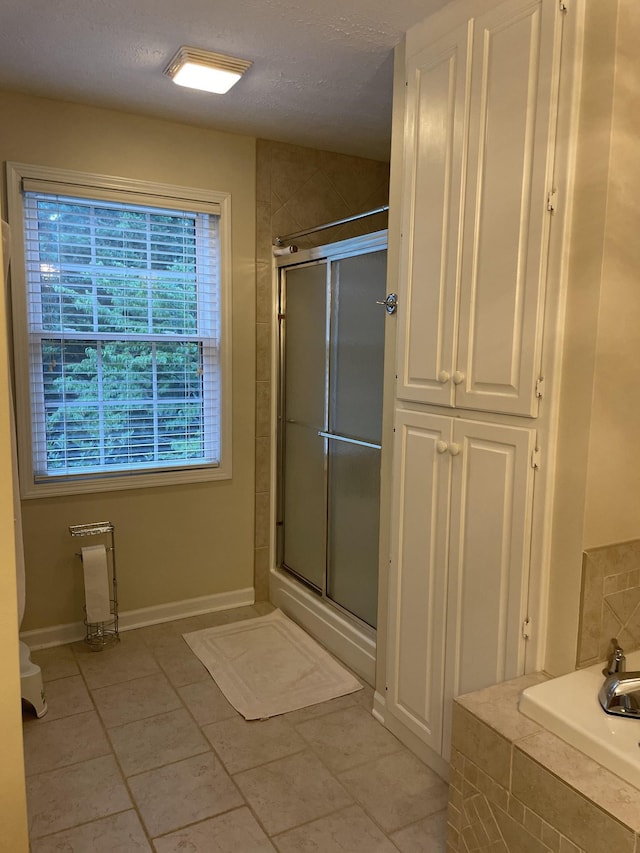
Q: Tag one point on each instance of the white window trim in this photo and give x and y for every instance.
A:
(90, 182)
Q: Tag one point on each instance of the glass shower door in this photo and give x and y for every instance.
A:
(355, 430)
(305, 369)
(332, 352)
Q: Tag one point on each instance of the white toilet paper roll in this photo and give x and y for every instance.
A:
(96, 583)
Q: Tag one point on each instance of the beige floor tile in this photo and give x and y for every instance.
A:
(207, 702)
(177, 627)
(65, 696)
(242, 745)
(224, 617)
(349, 831)
(348, 738)
(70, 740)
(135, 700)
(122, 832)
(234, 832)
(57, 662)
(179, 663)
(291, 791)
(322, 708)
(165, 634)
(364, 697)
(126, 660)
(64, 798)
(167, 639)
(396, 790)
(428, 834)
(183, 793)
(155, 741)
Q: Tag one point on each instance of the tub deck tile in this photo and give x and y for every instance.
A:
(612, 794)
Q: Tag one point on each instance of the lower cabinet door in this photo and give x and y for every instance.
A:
(458, 585)
(418, 571)
(489, 555)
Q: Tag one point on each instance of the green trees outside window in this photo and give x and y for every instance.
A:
(123, 324)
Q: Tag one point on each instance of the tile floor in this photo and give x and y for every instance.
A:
(140, 751)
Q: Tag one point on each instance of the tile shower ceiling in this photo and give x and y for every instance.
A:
(321, 77)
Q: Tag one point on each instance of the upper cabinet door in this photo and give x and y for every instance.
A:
(506, 220)
(432, 182)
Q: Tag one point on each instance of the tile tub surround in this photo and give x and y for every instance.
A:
(610, 600)
(516, 788)
(140, 751)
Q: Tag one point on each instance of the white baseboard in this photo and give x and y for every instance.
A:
(354, 647)
(57, 635)
(379, 707)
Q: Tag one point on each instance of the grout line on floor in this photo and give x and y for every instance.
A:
(77, 654)
(134, 805)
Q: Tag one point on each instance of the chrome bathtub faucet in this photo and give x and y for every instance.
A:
(617, 659)
(620, 693)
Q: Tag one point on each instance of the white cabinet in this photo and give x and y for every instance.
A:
(478, 164)
(482, 80)
(458, 584)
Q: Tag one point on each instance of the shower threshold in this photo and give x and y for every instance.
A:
(352, 642)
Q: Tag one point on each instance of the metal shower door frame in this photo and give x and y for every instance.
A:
(328, 254)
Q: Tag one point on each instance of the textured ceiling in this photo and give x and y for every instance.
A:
(321, 76)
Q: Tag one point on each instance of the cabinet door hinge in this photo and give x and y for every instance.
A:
(552, 201)
(564, 5)
(535, 458)
(540, 387)
(526, 629)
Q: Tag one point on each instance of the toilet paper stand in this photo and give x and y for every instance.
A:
(99, 635)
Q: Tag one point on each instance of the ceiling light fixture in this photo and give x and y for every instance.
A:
(210, 72)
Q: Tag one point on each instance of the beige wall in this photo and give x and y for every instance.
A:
(173, 543)
(613, 482)
(597, 499)
(584, 278)
(298, 188)
(13, 812)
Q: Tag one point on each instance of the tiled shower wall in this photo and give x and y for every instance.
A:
(298, 188)
(610, 603)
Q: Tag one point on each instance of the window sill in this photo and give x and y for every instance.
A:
(144, 480)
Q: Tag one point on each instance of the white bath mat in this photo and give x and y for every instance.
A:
(268, 666)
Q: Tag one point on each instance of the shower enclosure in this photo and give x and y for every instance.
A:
(331, 319)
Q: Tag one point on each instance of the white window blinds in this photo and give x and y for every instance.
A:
(123, 305)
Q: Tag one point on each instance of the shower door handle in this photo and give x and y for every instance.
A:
(332, 436)
(390, 303)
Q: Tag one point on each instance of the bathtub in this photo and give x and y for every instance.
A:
(568, 706)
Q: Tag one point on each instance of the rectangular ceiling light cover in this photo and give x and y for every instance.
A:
(201, 69)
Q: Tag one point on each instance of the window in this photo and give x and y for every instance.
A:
(120, 332)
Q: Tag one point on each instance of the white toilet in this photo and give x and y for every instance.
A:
(31, 686)
(32, 689)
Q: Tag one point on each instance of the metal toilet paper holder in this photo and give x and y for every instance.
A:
(99, 635)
